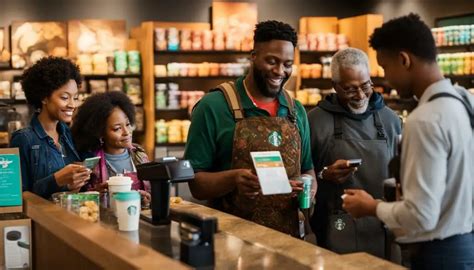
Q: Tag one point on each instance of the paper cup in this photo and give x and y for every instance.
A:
(128, 210)
(118, 184)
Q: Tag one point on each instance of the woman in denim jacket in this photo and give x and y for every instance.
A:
(103, 126)
(47, 151)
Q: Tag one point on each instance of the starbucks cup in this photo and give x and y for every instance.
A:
(304, 197)
(118, 183)
(128, 210)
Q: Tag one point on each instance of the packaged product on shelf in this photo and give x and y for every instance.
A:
(160, 71)
(99, 63)
(302, 42)
(192, 69)
(213, 69)
(173, 39)
(134, 62)
(247, 42)
(160, 99)
(115, 84)
(97, 86)
(305, 71)
(313, 42)
(174, 132)
(160, 39)
(230, 42)
(302, 96)
(133, 89)
(185, 42)
(196, 40)
(5, 90)
(120, 62)
(110, 65)
(185, 129)
(173, 69)
(139, 118)
(183, 102)
(173, 99)
(314, 96)
(17, 91)
(84, 61)
(207, 36)
(204, 70)
(183, 69)
(316, 70)
(219, 41)
(161, 131)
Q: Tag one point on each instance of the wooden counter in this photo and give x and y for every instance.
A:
(62, 239)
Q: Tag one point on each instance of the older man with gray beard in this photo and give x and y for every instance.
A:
(353, 123)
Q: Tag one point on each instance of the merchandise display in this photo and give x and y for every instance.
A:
(453, 35)
(201, 69)
(309, 96)
(174, 131)
(322, 42)
(456, 63)
(168, 96)
(172, 39)
(133, 88)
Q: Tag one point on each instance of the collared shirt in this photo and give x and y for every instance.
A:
(437, 170)
(211, 134)
(40, 158)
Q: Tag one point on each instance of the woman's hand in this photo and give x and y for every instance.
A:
(73, 175)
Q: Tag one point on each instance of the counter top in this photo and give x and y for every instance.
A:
(239, 244)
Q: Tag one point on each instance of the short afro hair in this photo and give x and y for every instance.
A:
(46, 76)
(408, 33)
(274, 30)
(90, 122)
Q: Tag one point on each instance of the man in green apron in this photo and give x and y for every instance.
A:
(250, 114)
(353, 123)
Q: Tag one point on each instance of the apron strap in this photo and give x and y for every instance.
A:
(233, 99)
(337, 126)
(292, 116)
(381, 134)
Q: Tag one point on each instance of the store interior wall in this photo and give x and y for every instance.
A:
(136, 11)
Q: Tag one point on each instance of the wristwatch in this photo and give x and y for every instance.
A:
(320, 174)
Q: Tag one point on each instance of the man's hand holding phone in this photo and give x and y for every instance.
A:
(341, 170)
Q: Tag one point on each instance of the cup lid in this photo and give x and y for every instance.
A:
(306, 179)
(127, 196)
(119, 180)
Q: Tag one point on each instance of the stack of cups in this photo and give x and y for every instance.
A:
(118, 183)
(128, 210)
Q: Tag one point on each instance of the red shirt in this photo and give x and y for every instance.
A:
(271, 107)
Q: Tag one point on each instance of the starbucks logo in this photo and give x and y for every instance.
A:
(274, 138)
(132, 210)
(339, 224)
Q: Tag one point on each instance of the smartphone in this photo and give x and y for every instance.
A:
(355, 162)
(90, 163)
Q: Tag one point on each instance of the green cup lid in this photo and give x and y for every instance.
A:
(127, 196)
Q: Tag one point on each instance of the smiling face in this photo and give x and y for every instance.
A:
(61, 104)
(272, 65)
(118, 132)
(354, 89)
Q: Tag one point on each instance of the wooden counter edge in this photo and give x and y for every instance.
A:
(94, 241)
(301, 251)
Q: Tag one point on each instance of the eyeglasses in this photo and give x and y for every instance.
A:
(366, 88)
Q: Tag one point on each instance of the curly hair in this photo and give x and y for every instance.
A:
(46, 76)
(407, 33)
(89, 123)
(274, 30)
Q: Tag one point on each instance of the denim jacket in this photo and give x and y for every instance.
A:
(40, 158)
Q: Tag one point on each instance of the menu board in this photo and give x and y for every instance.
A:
(10, 178)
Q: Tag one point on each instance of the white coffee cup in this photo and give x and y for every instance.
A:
(128, 210)
(118, 183)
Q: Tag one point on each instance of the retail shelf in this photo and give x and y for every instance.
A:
(3, 68)
(106, 76)
(456, 48)
(318, 52)
(169, 144)
(195, 78)
(202, 52)
(13, 101)
(460, 77)
(169, 114)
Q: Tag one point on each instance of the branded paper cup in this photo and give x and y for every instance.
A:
(118, 183)
(128, 210)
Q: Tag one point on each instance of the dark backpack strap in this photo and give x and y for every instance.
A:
(233, 99)
(463, 101)
(337, 126)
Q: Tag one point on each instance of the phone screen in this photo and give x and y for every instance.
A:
(355, 162)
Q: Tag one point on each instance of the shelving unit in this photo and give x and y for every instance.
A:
(152, 57)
